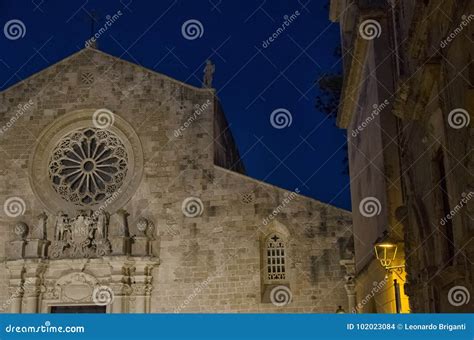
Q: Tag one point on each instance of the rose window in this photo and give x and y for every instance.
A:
(87, 166)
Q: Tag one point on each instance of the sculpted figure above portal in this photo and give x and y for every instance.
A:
(82, 236)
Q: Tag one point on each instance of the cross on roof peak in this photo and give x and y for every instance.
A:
(93, 17)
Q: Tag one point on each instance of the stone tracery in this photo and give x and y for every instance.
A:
(88, 165)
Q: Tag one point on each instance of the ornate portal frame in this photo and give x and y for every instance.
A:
(121, 284)
(85, 261)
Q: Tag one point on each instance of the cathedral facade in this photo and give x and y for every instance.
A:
(123, 192)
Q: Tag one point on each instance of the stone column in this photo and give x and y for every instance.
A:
(30, 299)
(119, 284)
(142, 279)
(32, 285)
(117, 304)
(139, 278)
(351, 297)
(15, 289)
(350, 284)
(15, 300)
(139, 298)
(15, 252)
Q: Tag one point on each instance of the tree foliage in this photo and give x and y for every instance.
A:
(327, 100)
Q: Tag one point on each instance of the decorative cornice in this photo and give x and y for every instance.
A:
(334, 10)
(351, 87)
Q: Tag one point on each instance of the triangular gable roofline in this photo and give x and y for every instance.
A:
(192, 87)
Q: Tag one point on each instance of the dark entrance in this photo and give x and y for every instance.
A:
(78, 309)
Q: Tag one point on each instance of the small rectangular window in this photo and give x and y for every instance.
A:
(275, 259)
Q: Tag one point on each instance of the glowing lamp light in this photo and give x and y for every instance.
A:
(386, 252)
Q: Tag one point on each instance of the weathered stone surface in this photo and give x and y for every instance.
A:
(209, 260)
(415, 156)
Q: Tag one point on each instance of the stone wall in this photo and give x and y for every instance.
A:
(220, 252)
(178, 162)
(421, 59)
(437, 159)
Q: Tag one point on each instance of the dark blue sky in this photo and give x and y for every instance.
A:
(251, 81)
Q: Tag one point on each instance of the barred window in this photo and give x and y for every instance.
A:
(276, 258)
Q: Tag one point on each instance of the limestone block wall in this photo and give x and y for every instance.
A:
(214, 262)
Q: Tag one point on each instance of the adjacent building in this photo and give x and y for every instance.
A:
(407, 105)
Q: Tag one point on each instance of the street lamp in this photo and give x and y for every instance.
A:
(386, 252)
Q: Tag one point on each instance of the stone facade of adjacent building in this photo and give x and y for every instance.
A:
(435, 105)
(123, 188)
(415, 154)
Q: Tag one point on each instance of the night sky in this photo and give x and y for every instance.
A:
(251, 80)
